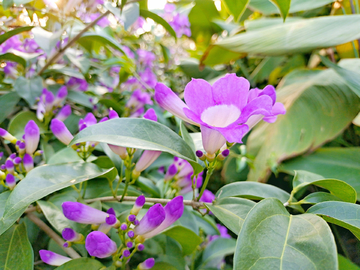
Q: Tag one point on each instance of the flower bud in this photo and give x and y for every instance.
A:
(28, 162)
(119, 150)
(200, 155)
(64, 113)
(10, 181)
(146, 159)
(82, 213)
(113, 114)
(139, 203)
(60, 96)
(7, 136)
(32, 137)
(147, 264)
(72, 236)
(52, 258)
(152, 219)
(9, 165)
(60, 131)
(100, 245)
(172, 170)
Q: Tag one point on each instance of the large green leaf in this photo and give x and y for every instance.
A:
(319, 106)
(231, 211)
(218, 248)
(14, 32)
(186, 238)
(7, 104)
(87, 40)
(43, 181)
(19, 121)
(333, 162)
(283, 6)
(271, 238)
(344, 214)
(86, 263)
(290, 38)
(29, 89)
(336, 187)
(236, 7)
(346, 264)
(148, 14)
(15, 249)
(14, 58)
(3, 198)
(140, 134)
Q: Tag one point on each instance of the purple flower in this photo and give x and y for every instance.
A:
(64, 113)
(32, 137)
(113, 114)
(82, 213)
(28, 162)
(150, 115)
(138, 100)
(152, 219)
(145, 58)
(173, 211)
(52, 258)
(60, 131)
(48, 100)
(172, 170)
(72, 236)
(147, 264)
(110, 222)
(60, 96)
(99, 245)
(207, 196)
(9, 165)
(223, 233)
(139, 203)
(10, 181)
(7, 136)
(10, 69)
(225, 111)
(88, 121)
(77, 84)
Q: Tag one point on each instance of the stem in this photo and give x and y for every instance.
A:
(71, 42)
(128, 172)
(41, 224)
(208, 174)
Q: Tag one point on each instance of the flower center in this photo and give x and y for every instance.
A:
(220, 115)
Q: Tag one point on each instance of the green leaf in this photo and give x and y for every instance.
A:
(46, 40)
(219, 248)
(283, 6)
(29, 89)
(140, 134)
(254, 191)
(43, 181)
(156, 18)
(80, 98)
(128, 15)
(19, 121)
(7, 104)
(231, 211)
(14, 32)
(236, 7)
(318, 197)
(87, 40)
(307, 123)
(186, 136)
(15, 249)
(333, 162)
(344, 214)
(293, 37)
(86, 263)
(14, 58)
(336, 187)
(65, 155)
(55, 216)
(3, 198)
(186, 238)
(271, 238)
(7, 3)
(148, 186)
(346, 264)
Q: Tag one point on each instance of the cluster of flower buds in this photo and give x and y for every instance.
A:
(49, 105)
(221, 155)
(22, 161)
(132, 232)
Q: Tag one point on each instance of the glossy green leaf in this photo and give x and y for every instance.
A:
(283, 6)
(15, 249)
(14, 58)
(140, 134)
(271, 238)
(7, 104)
(254, 190)
(346, 264)
(333, 162)
(218, 248)
(344, 214)
(29, 89)
(85, 263)
(186, 136)
(236, 7)
(336, 187)
(148, 186)
(80, 98)
(186, 238)
(43, 181)
(148, 14)
(318, 197)
(3, 198)
(290, 38)
(55, 216)
(170, 253)
(19, 121)
(312, 96)
(89, 38)
(64, 155)
(14, 32)
(231, 211)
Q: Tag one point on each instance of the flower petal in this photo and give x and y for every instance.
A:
(260, 105)
(231, 89)
(234, 133)
(278, 108)
(169, 101)
(212, 139)
(198, 95)
(269, 90)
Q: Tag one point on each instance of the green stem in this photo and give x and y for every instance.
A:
(208, 174)
(128, 172)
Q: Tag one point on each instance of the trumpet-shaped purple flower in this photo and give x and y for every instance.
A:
(60, 131)
(225, 111)
(64, 113)
(99, 245)
(52, 258)
(7, 136)
(82, 213)
(152, 219)
(147, 264)
(32, 137)
(173, 211)
(28, 162)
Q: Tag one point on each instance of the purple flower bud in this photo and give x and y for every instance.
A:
(226, 152)
(103, 119)
(64, 113)
(173, 211)
(90, 119)
(126, 253)
(111, 211)
(119, 150)
(113, 114)
(146, 159)
(66, 245)
(129, 244)
(131, 234)
(99, 245)
(131, 218)
(2, 153)
(13, 155)
(150, 115)
(3, 167)
(17, 160)
(152, 219)
(49, 101)
(207, 196)
(171, 172)
(28, 162)
(123, 227)
(52, 258)
(10, 181)
(32, 137)
(22, 147)
(82, 213)
(9, 166)
(199, 153)
(136, 222)
(60, 96)
(7, 136)
(139, 203)
(140, 247)
(147, 264)
(72, 236)
(111, 220)
(60, 131)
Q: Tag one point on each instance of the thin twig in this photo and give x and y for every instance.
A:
(7, 148)
(71, 42)
(53, 235)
